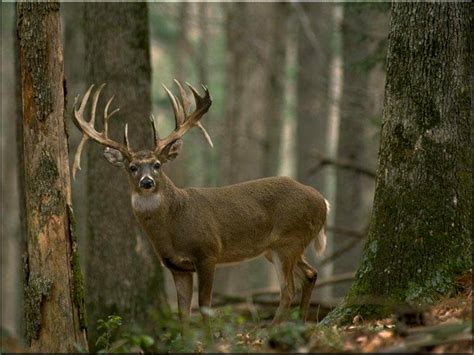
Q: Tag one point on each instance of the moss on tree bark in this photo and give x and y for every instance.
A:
(420, 234)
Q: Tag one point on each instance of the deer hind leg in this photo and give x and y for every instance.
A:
(307, 276)
(284, 267)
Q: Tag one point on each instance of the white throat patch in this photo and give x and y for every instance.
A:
(146, 203)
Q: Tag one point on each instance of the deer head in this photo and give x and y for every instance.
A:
(143, 167)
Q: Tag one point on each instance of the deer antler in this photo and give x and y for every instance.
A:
(88, 130)
(183, 117)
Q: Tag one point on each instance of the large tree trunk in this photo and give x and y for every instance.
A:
(54, 303)
(123, 274)
(364, 31)
(420, 233)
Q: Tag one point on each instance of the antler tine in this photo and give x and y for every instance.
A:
(125, 137)
(88, 129)
(156, 137)
(107, 115)
(184, 98)
(206, 135)
(95, 99)
(82, 107)
(179, 113)
(202, 102)
(184, 119)
(77, 157)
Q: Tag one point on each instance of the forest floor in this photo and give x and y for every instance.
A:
(445, 327)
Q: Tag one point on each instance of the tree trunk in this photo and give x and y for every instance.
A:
(249, 35)
(364, 28)
(317, 94)
(275, 90)
(178, 170)
(72, 15)
(209, 156)
(123, 274)
(12, 239)
(54, 299)
(420, 233)
(314, 58)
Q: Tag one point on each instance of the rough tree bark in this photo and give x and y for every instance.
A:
(364, 31)
(420, 233)
(123, 274)
(54, 299)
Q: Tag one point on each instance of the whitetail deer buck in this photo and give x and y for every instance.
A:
(195, 229)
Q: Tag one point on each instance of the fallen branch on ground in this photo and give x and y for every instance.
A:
(254, 296)
(340, 252)
(348, 232)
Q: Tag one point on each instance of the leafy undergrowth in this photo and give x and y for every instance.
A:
(444, 327)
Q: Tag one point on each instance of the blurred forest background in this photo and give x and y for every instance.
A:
(297, 91)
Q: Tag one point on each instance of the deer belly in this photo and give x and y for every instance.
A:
(243, 253)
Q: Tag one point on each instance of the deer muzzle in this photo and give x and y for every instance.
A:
(147, 182)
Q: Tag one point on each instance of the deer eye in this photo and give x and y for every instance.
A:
(133, 168)
(157, 165)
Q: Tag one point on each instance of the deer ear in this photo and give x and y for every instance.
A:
(172, 150)
(114, 157)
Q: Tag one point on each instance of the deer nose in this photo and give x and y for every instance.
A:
(147, 183)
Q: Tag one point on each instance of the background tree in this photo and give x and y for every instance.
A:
(54, 299)
(256, 61)
(123, 273)
(12, 235)
(317, 103)
(178, 173)
(312, 106)
(364, 32)
(420, 236)
(72, 17)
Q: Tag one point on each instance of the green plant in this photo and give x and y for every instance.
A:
(115, 339)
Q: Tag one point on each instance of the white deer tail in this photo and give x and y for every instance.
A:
(321, 240)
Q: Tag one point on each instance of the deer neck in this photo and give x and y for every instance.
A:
(165, 199)
(154, 210)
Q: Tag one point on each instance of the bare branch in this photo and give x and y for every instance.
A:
(342, 164)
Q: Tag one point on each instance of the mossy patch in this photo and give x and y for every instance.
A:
(36, 290)
(34, 47)
(45, 197)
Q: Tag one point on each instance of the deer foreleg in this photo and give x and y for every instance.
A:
(184, 290)
(205, 272)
